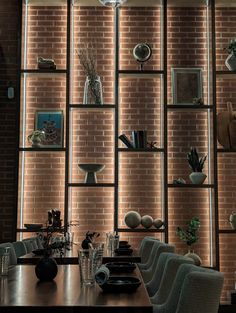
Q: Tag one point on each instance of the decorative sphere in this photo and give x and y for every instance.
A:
(157, 223)
(132, 219)
(142, 52)
(46, 269)
(147, 221)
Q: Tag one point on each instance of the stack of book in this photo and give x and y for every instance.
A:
(139, 139)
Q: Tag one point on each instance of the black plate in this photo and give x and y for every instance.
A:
(121, 284)
(124, 246)
(121, 267)
(38, 252)
(123, 251)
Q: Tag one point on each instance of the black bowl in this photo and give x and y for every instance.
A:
(123, 242)
(124, 251)
(121, 284)
(124, 246)
(121, 267)
(38, 251)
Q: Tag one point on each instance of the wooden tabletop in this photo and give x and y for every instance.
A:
(20, 292)
(71, 257)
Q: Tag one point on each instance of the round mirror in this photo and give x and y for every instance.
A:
(142, 52)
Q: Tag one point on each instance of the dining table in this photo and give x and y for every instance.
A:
(21, 291)
(70, 256)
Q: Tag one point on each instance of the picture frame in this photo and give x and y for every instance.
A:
(186, 85)
(52, 123)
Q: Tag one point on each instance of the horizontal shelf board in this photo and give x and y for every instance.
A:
(140, 230)
(222, 150)
(25, 230)
(226, 74)
(140, 74)
(43, 149)
(190, 186)
(91, 185)
(140, 150)
(189, 107)
(44, 71)
(92, 106)
(227, 231)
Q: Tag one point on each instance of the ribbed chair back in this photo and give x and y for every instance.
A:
(149, 250)
(159, 294)
(12, 254)
(39, 242)
(201, 292)
(172, 302)
(149, 273)
(146, 248)
(31, 244)
(20, 248)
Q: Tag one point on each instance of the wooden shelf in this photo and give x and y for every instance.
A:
(92, 106)
(191, 186)
(141, 150)
(227, 231)
(140, 230)
(91, 185)
(189, 107)
(44, 71)
(226, 74)
(140, 74)
(223, 150)
(42, 149)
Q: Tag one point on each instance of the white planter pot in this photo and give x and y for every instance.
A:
(197, 177)
(230, 62)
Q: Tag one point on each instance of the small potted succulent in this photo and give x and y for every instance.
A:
(36, 138)
(189, 236)
(230, 62)
(196, 164)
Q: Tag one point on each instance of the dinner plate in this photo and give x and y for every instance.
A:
(123, 251)
(121, 267)
(121, 284)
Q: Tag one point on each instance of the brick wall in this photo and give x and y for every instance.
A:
(8, 117)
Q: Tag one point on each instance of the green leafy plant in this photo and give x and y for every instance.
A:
(195, 163)
(37, 136)
(189, 236)
(232, 47)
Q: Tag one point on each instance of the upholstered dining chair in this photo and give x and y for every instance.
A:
(178, 296)
(149, 250)
(160, 285)
(146, 248)
(147, 274)
(12, 254)
(31, 244)
(20, 248)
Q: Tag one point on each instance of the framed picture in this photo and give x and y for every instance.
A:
(186, 85)
(51, 122)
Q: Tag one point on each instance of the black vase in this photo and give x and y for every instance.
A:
(46, 269)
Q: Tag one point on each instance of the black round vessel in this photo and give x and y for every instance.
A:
(46, 269)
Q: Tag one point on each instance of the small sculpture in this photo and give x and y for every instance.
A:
(46, 64)
(179, 181)
(89, 238)
(132, 219)
(142, 52)
(36, 138)
(198, 101)
(147, 221)
(54, 218)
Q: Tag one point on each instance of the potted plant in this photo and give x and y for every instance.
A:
(36, 138)
(196, 164)
(230, 62)
(189, 236)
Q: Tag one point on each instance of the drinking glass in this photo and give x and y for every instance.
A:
(87, 266)
(4, 260)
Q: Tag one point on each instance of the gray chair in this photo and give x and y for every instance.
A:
(172, 302)
(201, 292)
(146, 247)
(39, 242)
(160, 285)
(12, 254)
(31, 244)
(149, 250)
(20, 248)
(147, 274)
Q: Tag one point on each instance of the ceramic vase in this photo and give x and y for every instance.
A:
(196, 258)
(46, 269)
(197, 178)
(230, 62)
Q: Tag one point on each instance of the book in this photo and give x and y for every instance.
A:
(126, 141)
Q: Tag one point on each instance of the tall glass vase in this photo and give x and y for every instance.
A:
(93, 91)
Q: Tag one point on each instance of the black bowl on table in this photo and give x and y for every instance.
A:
(121, 267)
(124, 246)
(123, 251)
(121, 284)
(33, 227)
(123, 243)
